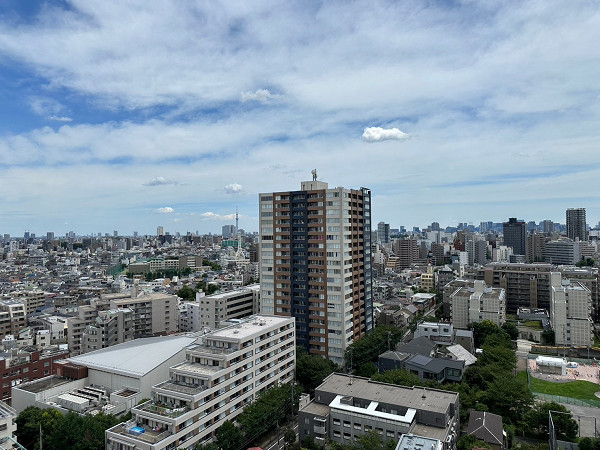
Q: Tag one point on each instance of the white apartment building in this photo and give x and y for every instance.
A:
(223, 371)
(209, 311)
(8, 426)
(570, 312)
(475, 303)
(441, 333)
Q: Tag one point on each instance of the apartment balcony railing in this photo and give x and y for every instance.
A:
(182, 388)
(162, 410)
(141, 432)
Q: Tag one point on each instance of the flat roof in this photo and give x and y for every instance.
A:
(418, 398)
(42, 384)
(134, 358)
(255, 325)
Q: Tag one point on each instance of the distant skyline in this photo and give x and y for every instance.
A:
(128, 115)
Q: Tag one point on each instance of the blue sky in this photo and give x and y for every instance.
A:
(126, 115)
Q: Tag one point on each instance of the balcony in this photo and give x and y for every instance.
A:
(162, 410)
(142, 433)
(182, 388)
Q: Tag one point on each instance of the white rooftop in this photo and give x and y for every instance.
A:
(255, 325)
(134, 358)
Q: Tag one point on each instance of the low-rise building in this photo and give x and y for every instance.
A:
(441, 333)
(346, 407)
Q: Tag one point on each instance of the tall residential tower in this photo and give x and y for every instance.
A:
(315, 264)
(576, 226)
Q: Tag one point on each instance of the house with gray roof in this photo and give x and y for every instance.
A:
(488, 428)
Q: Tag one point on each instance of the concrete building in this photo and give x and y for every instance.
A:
(26, 364)
(124, 373)
(153, 313)
(536, 248)
(212, 310)
(228, 231)
(8, 426)
(441, 333)
(110, 327)
(425, 367)
(563, 251)
(315, 261)
(475, 303)
(514, 235)
(12, 317)
(222, 372)
(570, 312)
(407, 250)
(32, 299)
(383, 232)
(346, 407)
(576, 224)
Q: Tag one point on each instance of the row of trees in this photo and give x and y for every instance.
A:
(268, 412)
(57, 431)
(189, 293)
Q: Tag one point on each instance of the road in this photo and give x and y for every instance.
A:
(278, 443)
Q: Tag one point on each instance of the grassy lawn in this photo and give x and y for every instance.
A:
(535, 324)
(583, 390)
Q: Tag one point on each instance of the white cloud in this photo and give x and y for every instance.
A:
(60, 118)
(378, 134)
(165, 210)
(212, 216)
(234, 188)
(262, 96)
(160, 181)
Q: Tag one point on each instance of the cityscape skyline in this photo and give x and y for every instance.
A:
(128, 116)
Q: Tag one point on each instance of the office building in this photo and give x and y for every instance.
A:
(570, 312)
(228, 231)
(315, 264)
(160, 231)
(407, 250)
(223, 371)
(563, 251)
(383, 232)
(576, 225)
(346, 407)
(514, 235)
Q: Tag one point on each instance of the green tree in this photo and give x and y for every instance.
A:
(509, 397)
(311, 370)
(483, 329)
(367, 370)
(536, 419)
(511, 330)
(588, 443)
(229, 437)
(400, 377)
(548, 337)
(289, 437)
(468, 441)
(370, 346)
(187, 293)
(28, 427)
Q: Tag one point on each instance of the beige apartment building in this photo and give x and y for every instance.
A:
(476, 302)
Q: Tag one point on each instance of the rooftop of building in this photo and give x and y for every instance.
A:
(43, 384)
(253, 325)
(6, 411)
(418, 398)
(412, 442)
(135, 358)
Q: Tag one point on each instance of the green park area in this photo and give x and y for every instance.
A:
(582, 390)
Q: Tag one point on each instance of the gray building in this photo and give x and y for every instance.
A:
(576, 226)
(346, 407)
(514, 235)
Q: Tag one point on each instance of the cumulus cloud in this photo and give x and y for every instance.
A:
(378, 134)
(212, 216)
(159, 181)
(165, 210)
(234, 188)
(262, 96)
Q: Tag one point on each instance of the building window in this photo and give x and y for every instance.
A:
(357, 426)
(347, 436)
(368, 427)
(336, 421)
(336, 434)
(379, 430)
(389, 433)
(346, 424)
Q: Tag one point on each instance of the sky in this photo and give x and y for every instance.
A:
(126, 115)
